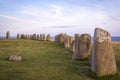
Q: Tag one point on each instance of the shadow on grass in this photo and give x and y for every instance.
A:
(82, 68)
(108, 77)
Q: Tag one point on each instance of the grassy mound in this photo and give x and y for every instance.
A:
(44, 60)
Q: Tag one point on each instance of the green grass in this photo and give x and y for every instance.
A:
(44, 60)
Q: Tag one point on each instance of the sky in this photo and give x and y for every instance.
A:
(59, 16)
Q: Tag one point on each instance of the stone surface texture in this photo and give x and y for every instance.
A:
(15, 58)
(72, 47)
(83, 48)
(67, 41)
(102, 57)
(60, 37)
(48, 38)
(8, 35)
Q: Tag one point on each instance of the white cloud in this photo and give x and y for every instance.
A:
(56, 15)
(57, 10)
(39, 19)
(17, 19)
(52, 12)
(33, 11)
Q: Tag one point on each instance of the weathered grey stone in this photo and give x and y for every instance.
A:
(83, 48)
(15, 58)
(8, 35)
(102, 57)
(23, 36)
(35, 36)
(41, 37)
(60, 37)
(76, 39)
(72, 38)
(38, 37)
(48, 38)
(72, 47)
(26, 36)
(67, 41)
(44, 37)
(18, 36)
(29, 36)
(56, 38)
(72, 43)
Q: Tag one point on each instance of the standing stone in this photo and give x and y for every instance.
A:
(83, 48)
(72, 47)
(102, 57)
(26, 36)
(22, 36)
(34, 36)
(71, 39)
(48, 38)
(29, 36)
(60, 37)
(8, 35)
(76, 39)
(18, 36)
(72, 44)
(57, 38)
(44, 37)
(67, 41)
(38, 37)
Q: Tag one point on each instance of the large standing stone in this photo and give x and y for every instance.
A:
(26, 36)
(72, 47)
(18, 36)
(57, 38)
(72, 44)
(102, 57)
(83, 48)
(8, 35)
(29, 36)
(34, 36)
(44, 37)
(67, 41)
(38, 37)
(41, 37)
(60, 37)
(76, 39)
(48, 38)
(71, 39)
(23, 36)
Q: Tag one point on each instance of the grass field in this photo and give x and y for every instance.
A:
(44, 60)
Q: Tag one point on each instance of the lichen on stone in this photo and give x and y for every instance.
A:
(102, 35)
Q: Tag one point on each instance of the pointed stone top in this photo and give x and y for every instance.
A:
(102, 35)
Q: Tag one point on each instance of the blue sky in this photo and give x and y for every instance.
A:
(56, 16)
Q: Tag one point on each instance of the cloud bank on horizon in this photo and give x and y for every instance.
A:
(56, 16)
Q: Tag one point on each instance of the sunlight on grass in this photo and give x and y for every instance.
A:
(44, 60)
